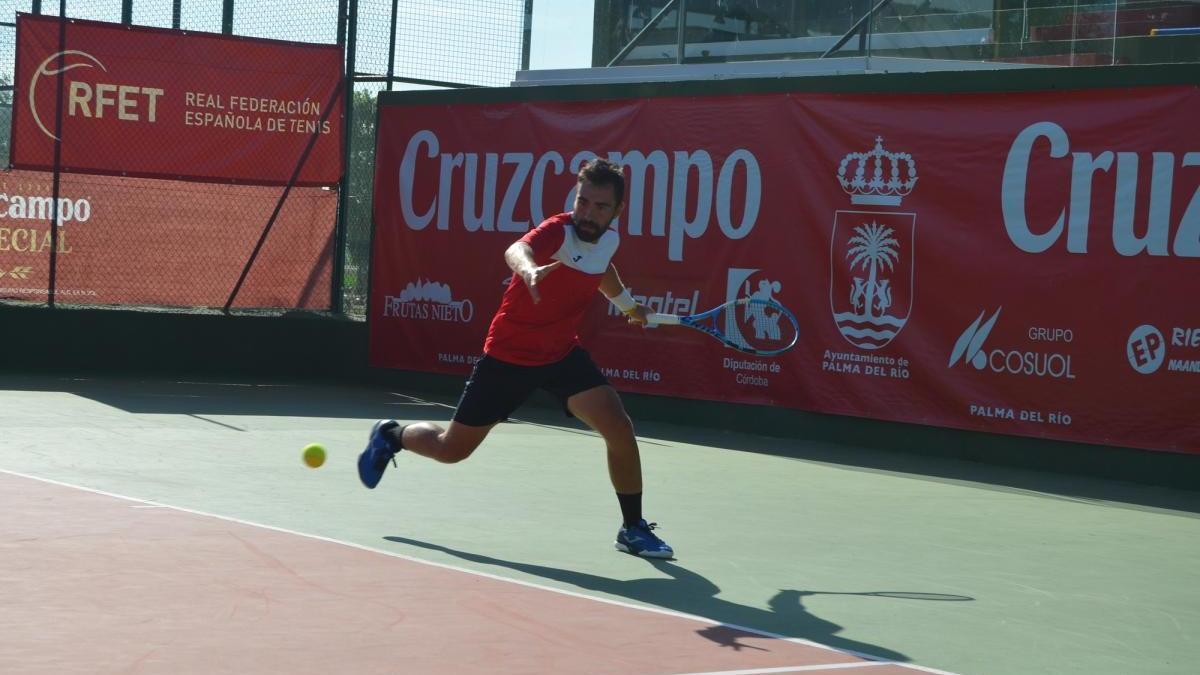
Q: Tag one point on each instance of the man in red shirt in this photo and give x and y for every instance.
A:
(533, 343)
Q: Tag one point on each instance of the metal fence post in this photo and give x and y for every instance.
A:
(391, 71)
(52, 280)
(338, 282)
(526, 34)
(681, 32)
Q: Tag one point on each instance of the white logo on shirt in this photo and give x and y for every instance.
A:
(587, 257)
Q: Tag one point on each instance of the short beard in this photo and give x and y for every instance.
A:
(592, 226)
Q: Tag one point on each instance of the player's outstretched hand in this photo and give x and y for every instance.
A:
(534, 276)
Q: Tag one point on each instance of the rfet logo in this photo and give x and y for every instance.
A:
(93, 100)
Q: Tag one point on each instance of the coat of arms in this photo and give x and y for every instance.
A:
(871, 252)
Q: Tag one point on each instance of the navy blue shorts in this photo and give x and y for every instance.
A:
(497, 388)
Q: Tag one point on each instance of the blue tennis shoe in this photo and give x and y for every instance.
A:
(641, 540)
(379, 451)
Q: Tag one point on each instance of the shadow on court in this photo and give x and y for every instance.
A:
(864, 454)
(864, 445)
(236, 396)
(690, 593)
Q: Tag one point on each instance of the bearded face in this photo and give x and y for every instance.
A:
(595, 208)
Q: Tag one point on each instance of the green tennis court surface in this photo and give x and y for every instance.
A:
(158, 526)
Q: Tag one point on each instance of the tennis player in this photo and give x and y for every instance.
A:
(533, 343)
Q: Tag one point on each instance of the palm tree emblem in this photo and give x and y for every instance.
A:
(873, 247)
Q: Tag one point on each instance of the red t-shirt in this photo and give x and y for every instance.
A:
(529, 334)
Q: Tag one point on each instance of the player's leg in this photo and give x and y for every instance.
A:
(493, 391)
(424, 438)
(450, 445)
(601, 409)
(587, 395)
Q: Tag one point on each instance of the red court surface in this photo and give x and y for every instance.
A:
(97, 583)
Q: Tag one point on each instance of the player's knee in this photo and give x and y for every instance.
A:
(625, 424)
(455, 456)
(457, 450)
(617, 426)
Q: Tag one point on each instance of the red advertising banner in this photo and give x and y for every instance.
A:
(137, 241)
(1022, 263)
(139, 101)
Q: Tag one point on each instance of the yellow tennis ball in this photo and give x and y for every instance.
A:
(314, 455)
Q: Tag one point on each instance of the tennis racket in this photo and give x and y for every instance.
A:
(750, 325)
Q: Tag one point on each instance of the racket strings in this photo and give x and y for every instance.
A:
(760, 327)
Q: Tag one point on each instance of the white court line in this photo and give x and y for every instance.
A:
(874, 660)
(798, 669)
(421, 401)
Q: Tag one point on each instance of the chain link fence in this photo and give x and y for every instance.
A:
(199, 245)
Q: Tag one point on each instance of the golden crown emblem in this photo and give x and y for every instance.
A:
(876, 188)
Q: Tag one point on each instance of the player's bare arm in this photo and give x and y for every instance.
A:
(615, 291)
(519, 257)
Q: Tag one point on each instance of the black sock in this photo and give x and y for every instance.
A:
(631, 508)
(395, 436)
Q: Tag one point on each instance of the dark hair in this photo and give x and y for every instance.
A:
(600, 171)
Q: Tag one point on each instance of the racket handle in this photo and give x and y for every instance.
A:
(662, 319)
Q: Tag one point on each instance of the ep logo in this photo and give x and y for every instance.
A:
(1146, 349)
